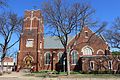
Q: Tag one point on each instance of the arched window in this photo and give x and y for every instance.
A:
(87, 50)
(47, 58)
(100, 52)
(74, 57)
(60, 57)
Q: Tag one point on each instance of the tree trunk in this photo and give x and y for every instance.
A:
(2, 63)
(67, 51)
(68, 64)
(2, 59)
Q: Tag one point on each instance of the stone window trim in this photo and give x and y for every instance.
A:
(110, 63)
(59, 56)
(92, 65)
(59, 53)
(73, 51)
(40, 44)
(30, 45)
(86, 34)
(86, 47)
(82, 50)
(74, 56)
(48, 52)
(100, 50)
(30, 39)
(86, 31)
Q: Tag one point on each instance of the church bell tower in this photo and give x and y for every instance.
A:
(31, 41)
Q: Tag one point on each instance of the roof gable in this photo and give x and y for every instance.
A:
(8, 59)
(87, 36)
(53, 42)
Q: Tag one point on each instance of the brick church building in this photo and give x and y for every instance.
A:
(46, 53)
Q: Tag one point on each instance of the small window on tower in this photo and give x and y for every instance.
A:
(86, 34)
(91, 65)
(29, 42)
(40, 45)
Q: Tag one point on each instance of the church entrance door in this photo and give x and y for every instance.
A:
(28, 61)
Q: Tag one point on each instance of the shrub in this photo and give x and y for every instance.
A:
(9, 72)
(83, 72)
(75, 72)
(93, 72)
(55, 72)
(116, 53)
(44, 71)
(97, 72)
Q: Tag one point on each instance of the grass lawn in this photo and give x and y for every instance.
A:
(72, 75)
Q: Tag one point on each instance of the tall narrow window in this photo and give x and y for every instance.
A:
(40, 45)
(74, 57)
(86, 34)
(110, 64)
(91, 65)
(60, 57)
(47, 58)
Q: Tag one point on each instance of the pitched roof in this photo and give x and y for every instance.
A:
(51, 42)
(54, 42)
(8, 59)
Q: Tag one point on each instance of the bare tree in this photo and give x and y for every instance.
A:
(113, 34)
(63, 20)
(3, 3)
(10, 27)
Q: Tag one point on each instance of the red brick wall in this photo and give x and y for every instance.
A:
(92, 40)
(54, 62)
(100, 63)
(35, 33)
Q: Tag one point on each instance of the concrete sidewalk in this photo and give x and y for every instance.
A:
(18, 76)
(21, 76)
